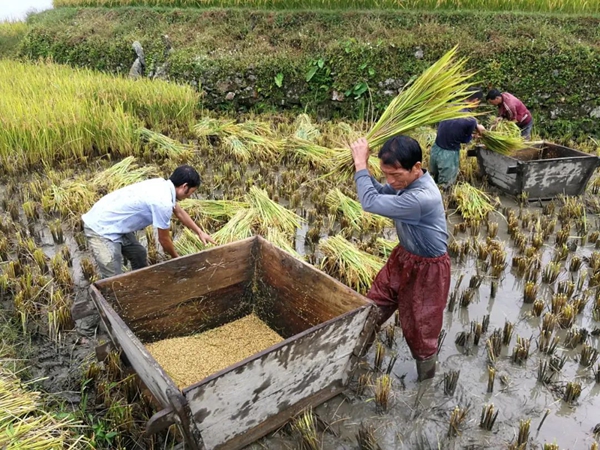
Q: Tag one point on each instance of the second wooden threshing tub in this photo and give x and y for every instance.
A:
(541, 171)
(324, 323)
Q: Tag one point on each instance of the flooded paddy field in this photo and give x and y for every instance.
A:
(521, 333)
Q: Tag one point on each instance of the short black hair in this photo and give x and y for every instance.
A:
(185, 174)
(475, 94)
(492, 94)
(401, 151)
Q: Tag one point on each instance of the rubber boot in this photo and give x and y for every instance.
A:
(426, 368)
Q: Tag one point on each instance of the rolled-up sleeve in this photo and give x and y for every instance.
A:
(403, 206)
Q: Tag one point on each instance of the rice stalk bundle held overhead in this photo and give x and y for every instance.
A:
(355, 268)
(438, 94)
(505, 139)
(471, 203)
(245, 141)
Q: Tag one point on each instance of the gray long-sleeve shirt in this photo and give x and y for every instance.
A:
(417, 211)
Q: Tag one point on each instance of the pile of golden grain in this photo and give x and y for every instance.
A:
(190, 359)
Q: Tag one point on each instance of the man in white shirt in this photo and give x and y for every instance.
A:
(111, 224)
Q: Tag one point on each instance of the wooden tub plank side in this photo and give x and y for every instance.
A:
(195, 315)
(302, 297)
(549, 178)
(276, 422)
(495, 167)
(149, 371)
(259, 389)
(161, 286)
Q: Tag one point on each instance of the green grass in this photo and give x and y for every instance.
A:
(50, 113)
(559, 6)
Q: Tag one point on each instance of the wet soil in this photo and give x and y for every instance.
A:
(419, 414)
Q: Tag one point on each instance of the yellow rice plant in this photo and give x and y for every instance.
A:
(209, 211)
(261, 215)
(51, 112)
(472, 203)
(505, 139)
(270, 214)
(245, 141)
(305, 130)
(352, 266)
(122, 174)
(350, 211)
(188, 242)
(24, 423)
(240, 226)
(165, 146)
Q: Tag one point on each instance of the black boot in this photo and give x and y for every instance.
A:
(426, 368)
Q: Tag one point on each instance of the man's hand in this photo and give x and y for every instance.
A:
(360, 154)
(480, 130)
(205, 237)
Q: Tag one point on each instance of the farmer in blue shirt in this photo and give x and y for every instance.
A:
(416, 278)
(111, 224)
(445, 153)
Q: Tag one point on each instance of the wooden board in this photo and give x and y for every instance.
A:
(298, 296)
(495, 167)
(259, 391)
(157, 291)
(195, 315)
(149, 371)
(549, 178)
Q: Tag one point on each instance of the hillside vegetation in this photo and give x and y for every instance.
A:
(559, 6)
(335, 63)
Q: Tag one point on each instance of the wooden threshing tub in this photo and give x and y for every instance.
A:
(542, 171)
(325, 325)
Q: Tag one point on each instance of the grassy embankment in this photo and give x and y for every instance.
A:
(336, 63)
(560, 6)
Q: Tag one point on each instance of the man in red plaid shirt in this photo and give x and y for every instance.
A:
(513, 109)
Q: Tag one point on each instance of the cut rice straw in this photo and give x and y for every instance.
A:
(353, 267)
(505, 139)
(245, 141)
(165, 146)
(472, 203)
(440, 93)
(351, 210)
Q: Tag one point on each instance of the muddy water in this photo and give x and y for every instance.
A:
(419, 412)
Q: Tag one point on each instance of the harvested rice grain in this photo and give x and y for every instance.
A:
(190, 359)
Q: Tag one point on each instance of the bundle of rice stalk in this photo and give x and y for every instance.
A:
(281, 240)
(305, 129)
(240, 226)
(188, 243)
(122, 174)
(25, 425)
(271, 215)
(385, 247)
(440, 93)
(165, 146)
(217, 210)
(353, 267)
(472, 203)
(70, 198)
(352, 212)
(505, 139)
(245, 141)
(301, 150)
